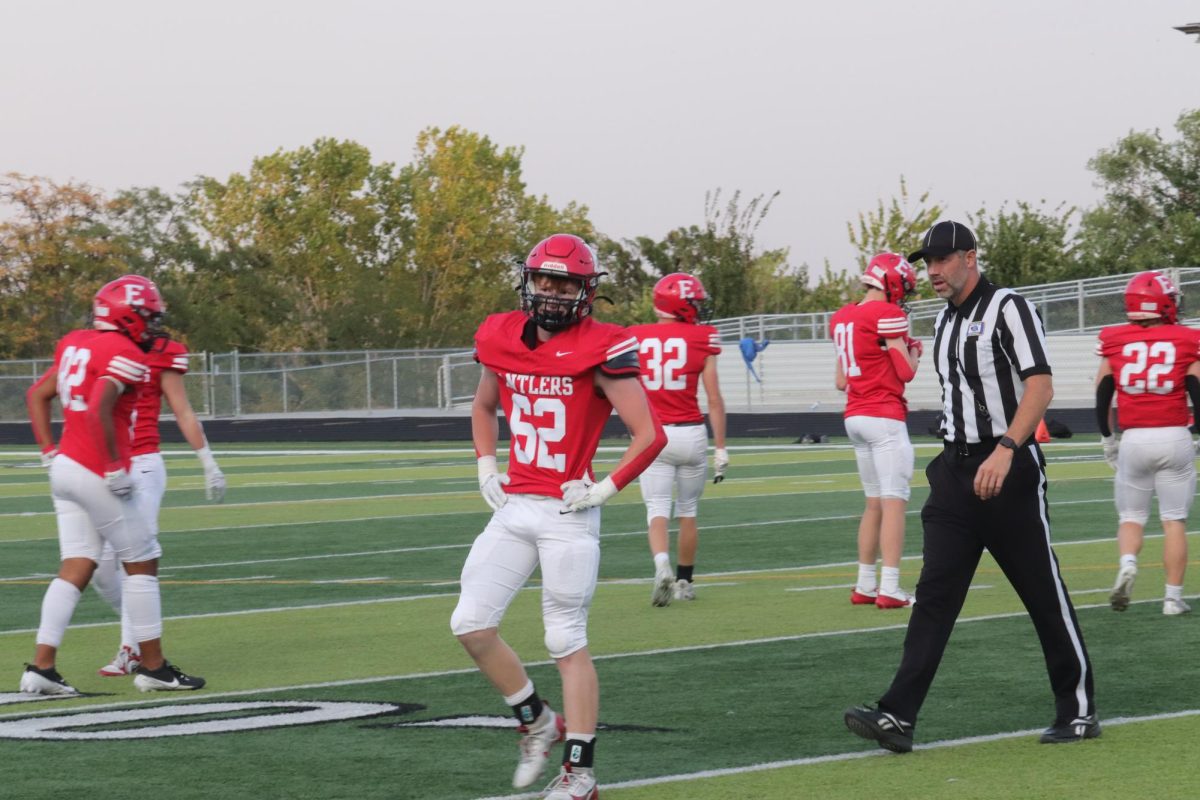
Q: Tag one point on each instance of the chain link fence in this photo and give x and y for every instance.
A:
(432, 380)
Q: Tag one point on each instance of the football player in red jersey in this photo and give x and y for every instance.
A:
(677, 353)
(875, 358)
(1152, 365)
(95, 375)
(557, 374)
(167, 362)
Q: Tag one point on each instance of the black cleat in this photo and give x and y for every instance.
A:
(890, 731)
(167, 678)
(1076, 730)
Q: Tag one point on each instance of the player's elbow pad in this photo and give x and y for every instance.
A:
(904, 370)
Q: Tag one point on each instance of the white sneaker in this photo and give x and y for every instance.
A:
(44, 681)
(1173, 608)
(1123, 589)
(664, 586)
(570, 785)
(125, 662)
(535, 747)
(684, 590)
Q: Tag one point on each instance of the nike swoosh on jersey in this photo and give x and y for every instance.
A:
(561, 353)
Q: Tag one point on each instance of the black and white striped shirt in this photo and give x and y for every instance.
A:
(983, 352)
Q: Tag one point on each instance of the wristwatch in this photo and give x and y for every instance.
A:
(1006, 441)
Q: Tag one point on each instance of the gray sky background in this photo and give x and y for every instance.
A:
(633, 108)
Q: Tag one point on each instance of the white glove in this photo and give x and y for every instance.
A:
(720, 464)
(1109, 443)
(581, 494)
(492, 483)
(119, 482)
(48, 456)
(214, 479)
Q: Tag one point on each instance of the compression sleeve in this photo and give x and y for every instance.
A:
(900, 361)
(1104, 395)
(1193, 390)
(623, 476)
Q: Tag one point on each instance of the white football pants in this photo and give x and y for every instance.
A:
(884, 454)
(1155, 461)
(682, 467)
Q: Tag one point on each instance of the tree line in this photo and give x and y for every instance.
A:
(322, 248)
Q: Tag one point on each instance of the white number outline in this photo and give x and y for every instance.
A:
(843, 340)
(1142, 353)
(664, 374)
(72, 369)
(529, 438)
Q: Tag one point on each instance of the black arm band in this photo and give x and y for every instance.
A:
(1193, 389)
(1104, 395)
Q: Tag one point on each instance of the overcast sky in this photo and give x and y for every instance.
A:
(632, 108)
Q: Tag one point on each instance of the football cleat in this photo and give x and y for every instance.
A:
(1173, 607)
(860, 598)
(684, 590)
(167, 678)
(572, 785)
(890, 731)
(125, 662)
(1123, 589)
(900, 599)
(664, 587)
(535, 747)
(44, 681)
(1076, 730)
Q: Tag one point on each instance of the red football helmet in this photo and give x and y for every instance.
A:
(130, 304)
(682, 297)
(891, 274)
(562, 256)
(1152, 295)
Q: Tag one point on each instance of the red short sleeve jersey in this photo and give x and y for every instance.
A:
(873, 388)
(81, 359)
(548, 395)
(672, 357)
(164, 354)
(1149, 368)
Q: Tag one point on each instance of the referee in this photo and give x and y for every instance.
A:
(987, 489)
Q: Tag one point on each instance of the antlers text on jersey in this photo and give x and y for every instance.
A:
(540, 385)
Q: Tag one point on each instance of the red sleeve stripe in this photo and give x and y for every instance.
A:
(623, 347)
(126, 370)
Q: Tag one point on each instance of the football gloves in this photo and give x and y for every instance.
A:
(118, 482)
(1110, 444)
(720, 464)
(492, 483)
(583, 493)
(214, 479)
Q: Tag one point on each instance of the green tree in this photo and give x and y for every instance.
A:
(56, 250)
(1028, 245)
(894, 227)
(467, 220)
(1150, 214)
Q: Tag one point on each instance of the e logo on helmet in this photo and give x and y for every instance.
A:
(685, 289)
(133, 295)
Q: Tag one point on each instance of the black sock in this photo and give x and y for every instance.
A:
(529, 709)
(684, 573)
(579, 754)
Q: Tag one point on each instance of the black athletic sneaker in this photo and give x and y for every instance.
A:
(44, 681)
(1075, 730)
(167, 678)
(890, 731)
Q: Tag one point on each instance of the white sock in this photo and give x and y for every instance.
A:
(662, 562)
(582, 737)
(107, 579)
(58, 605)
(144, 606)
(866, 578)
(1174, 592)
(521, 696)
(890, 583)
(1129, 561)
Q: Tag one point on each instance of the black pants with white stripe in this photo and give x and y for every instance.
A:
(1015, 529)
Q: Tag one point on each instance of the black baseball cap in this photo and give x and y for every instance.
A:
(945, 238)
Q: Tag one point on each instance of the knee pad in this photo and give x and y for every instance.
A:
(562, 640)
(658, 508)
(465, 618)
